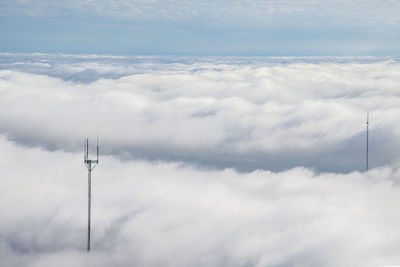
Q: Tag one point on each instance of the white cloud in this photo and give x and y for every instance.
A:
(220, 113)
(171, 215)
(244, 113)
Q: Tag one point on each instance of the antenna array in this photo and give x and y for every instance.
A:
(90, 164)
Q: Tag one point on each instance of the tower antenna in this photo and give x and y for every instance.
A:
(90, 164)
(367, 150)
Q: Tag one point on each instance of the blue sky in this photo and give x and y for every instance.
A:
(245, 27)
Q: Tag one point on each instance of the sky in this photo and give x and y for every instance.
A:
(177, 27)
(231, 133)
(204, 161)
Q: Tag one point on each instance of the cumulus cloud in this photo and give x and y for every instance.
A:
(204, 161)
(244, 113)
(168, 214)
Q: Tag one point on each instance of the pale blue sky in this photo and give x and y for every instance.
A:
(177, 27)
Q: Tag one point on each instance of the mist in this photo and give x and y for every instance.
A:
(242, 113)
(203, 161)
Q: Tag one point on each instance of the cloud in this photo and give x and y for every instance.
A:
(243, 113)
(340, 11)
(173, 215)
(204, 161)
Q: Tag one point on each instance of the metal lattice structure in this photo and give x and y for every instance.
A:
(90, 164)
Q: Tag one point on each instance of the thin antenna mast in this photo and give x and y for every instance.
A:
(90, 164)
(367, 150)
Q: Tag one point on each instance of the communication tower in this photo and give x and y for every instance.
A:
(90, 164)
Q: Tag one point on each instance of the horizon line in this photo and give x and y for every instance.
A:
(191, 55)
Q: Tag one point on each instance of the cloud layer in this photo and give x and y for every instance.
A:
(167, 214)
(204, 161)
(248, 114)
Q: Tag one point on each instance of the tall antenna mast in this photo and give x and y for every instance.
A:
(367, 140)
(90, 164)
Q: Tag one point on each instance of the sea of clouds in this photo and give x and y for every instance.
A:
(205, 161)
